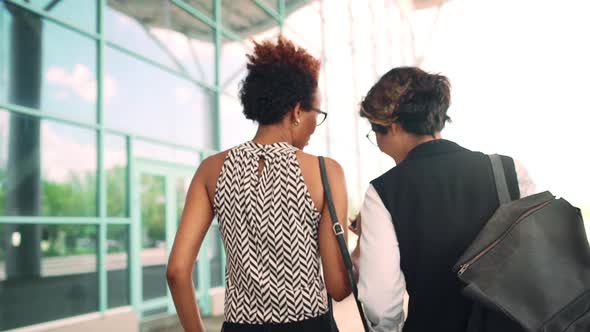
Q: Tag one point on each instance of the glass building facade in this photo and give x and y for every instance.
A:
(107, 108)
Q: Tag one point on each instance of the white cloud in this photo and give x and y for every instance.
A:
(81, 81)
(109, 89)
(62, 156)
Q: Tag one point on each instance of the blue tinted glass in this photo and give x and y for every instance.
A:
(155, 103)
(115, 165)
(44, 66)
(164, 33)
(80, 13)
(117, 265)
(48, 168)
(47, 272)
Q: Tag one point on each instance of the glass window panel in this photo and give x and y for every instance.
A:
(164, 33)
(155, 312)
(272, 4)
(117, 265)
(245, 17)
(153, 221)
(47, 272)
(232, 68)
(3, 245)
(182, 184)
(49, 168)
(36, 74)
(115, 164)
(4, 123)
(153, 151)
(154, 103)
(196, 275)
(203, 6)
(215, 257)
(303, 26)
(81, 13)
(235, 128)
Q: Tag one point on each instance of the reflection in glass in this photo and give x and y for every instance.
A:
(245, 17)
(49, 168)
(155, 312)
(154, 103)
(303, 26)
(272, 4)
(153, 222)
(182, 184)
(4, 123)
(81, 13)
(152, 151)
(115, 164)
(235, 128)
(3, 245)
(47, 272)
(117, 265)
(232, 68)
(38, 75)
(165, 33)
(215, 248)
(203, 6)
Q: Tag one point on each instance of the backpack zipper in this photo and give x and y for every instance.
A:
(465, 266)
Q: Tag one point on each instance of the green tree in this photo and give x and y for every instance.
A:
(117, 196)
(153, 209)
(74, 197)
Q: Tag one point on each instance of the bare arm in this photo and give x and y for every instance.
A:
(335, 273)
(196, 219)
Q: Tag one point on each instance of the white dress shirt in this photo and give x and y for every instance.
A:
(381, 285)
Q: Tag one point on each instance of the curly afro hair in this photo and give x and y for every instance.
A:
(279, 76)
(412, 97)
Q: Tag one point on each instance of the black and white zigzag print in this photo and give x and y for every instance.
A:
(269, 227)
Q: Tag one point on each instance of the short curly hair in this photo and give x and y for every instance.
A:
(279, 76)
(412, 97)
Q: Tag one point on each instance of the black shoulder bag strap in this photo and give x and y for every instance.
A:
(479, 314)
(338, 231)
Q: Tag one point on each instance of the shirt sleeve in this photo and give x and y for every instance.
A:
(526, 185)
(381, 286)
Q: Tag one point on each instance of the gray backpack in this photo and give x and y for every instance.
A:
(529, 264)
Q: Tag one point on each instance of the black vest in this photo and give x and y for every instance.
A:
(439, 198)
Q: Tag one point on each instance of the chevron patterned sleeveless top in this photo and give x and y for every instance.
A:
(269, 226)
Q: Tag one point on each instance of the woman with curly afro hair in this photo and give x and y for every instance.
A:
(267, 195)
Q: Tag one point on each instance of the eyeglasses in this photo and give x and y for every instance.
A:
(372, 134)
(321, 115)
(372, 137)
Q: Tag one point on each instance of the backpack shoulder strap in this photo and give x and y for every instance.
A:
(500, 179)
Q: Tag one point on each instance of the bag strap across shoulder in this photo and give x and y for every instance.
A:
(500, 178)
(339, 232)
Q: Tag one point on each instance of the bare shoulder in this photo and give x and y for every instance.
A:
(208, 171)
(334, 166)
(312, 161)
(213, 163)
